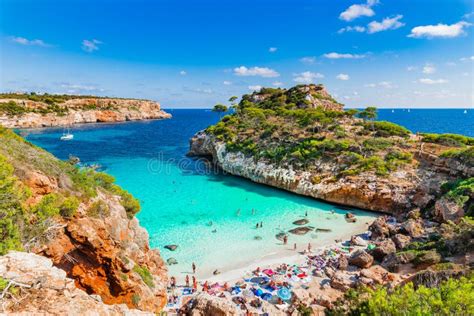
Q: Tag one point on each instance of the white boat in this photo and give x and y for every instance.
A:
(393, 111)
(408, 110)
(465, 111)
(67, 135)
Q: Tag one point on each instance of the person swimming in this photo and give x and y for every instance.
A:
(194, 267)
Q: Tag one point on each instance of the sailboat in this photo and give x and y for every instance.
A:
(67, 135)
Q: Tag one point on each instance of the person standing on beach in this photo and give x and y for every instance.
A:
(173, 282)
(309, 247)
(294, 247)
(194, 268)
(285, 240)
(195, 284)
(187, 280)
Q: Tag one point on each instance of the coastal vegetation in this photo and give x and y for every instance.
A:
(292, 128)
(24, 215)
(452, 297)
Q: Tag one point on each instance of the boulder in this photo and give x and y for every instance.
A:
(427, 258)
(171, 247)
(413, 228)
(401, 241)
(446, 210)
(342, 281)
(376, 273)
(438, 273)
(302, 221)
(300, 230)
(342, 262)
(361, 259)
(393, 261)
(205, 304)
(358, 241)
(384, 248)
(379, 228)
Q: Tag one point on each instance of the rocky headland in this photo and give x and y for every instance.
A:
(33, 111)
(291, 140)
(70, 239)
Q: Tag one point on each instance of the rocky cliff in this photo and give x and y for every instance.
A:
(331, 154)
(84, 224)
(44, 112)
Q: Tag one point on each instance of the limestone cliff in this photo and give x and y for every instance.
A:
(84, 223)
(24, 113)
(332, 155)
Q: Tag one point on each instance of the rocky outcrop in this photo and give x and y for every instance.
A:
(396, 193)
(35, 286)
(204, 304)
(110, 257)
(82, 110)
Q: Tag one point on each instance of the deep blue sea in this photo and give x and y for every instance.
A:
(207, 214)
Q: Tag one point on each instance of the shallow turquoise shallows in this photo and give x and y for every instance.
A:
(207, 214)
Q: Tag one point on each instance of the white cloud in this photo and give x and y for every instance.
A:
(432, 81)
(277, 83)
(256, 71)
(386, 24)
(308, 60)
(307, 77)
(468, 15)
(255, 88)
(80, 88)
(429, 69)
(358, 10)
(272, 49)
(382, 84)
(90, 45)
(343, 77)
(411, 68)
(183, 73)
(357, 28)
(334, 55)
(439, 30)
(199, 90)
(467, 58)
(27, 42)
(226, 83)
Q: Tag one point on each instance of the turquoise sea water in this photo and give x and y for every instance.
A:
(184, 203)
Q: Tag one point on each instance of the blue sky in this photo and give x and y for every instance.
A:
(387, 53)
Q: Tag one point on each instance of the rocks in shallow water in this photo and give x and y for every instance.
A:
(384, 248)
(323, 230)
(361, 259)
(302, 221)
(172, 261)
(280, 236)
(300, 230)
(257, 238)
(349, 215)
(171, 247)
(401, 241)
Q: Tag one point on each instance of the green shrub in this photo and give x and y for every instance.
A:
(464, 155)
(98, 209)
(69, 206)
(453, 297)
(459, 191)
(136, 299)
(145, 274)
(11, 209)
(47, 207)
(11, 108)
(448, 139)
(387, 129)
